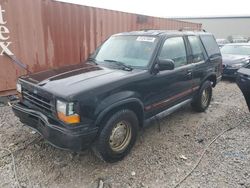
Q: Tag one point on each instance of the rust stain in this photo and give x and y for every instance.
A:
(49, 34)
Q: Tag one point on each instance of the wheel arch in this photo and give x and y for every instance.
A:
(132, 104)
(212, 78)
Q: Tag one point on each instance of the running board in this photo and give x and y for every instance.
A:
(167, 111)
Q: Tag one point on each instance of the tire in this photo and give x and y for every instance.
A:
(202, 99)
(117, 137)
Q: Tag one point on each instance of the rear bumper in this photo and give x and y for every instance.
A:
(75, 138)
(230, 73)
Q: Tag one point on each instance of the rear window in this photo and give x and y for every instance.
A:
(210, 44)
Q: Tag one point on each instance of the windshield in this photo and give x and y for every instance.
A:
(236, 49)
(135, 51)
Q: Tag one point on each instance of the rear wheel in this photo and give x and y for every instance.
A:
(118, 136)
(202, 99)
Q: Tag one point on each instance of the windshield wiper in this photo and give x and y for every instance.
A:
(125, 67)
(93, 60)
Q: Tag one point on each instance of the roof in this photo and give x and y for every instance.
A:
(163, 32)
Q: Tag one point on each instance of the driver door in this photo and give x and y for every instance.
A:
(171, 87)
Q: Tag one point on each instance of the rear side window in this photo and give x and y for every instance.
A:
(174, 48)
(210, 44)
(196, 47)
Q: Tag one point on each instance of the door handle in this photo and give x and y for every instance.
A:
(189, 72)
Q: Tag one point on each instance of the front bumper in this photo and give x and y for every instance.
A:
(74, 138)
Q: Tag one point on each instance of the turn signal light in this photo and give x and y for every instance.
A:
(75, 118)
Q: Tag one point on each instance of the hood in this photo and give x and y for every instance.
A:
(72, 79)
(229, 59)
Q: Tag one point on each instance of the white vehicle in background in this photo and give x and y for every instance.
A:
(222, 42)
(237, 39)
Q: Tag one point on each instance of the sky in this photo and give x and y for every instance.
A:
(173, 8)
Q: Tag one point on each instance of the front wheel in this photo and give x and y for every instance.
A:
(117, 137)
(202, 99)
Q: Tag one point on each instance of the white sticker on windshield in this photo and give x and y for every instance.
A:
(145, 39)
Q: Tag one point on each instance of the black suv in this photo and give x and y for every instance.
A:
(131, 78)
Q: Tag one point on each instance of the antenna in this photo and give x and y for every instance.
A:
(18, 62)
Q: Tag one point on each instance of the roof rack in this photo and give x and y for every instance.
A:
(190, 29)
(148, 29)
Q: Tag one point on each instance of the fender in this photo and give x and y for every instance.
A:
(106, 105)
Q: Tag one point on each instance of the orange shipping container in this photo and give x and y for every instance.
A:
(46, 34)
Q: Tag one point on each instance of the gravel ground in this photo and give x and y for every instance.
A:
(160, 158)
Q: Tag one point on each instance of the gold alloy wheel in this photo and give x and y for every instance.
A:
(120, 136)
(205, 97)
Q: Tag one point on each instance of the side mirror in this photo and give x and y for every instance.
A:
(165, 64)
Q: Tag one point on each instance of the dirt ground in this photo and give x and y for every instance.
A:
(160, 158)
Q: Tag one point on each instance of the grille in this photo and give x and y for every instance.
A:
(37, 100)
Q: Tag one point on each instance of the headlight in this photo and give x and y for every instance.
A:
(61, 107)
(66, 112)
(237, 65)
(19, 87)
(247, 61)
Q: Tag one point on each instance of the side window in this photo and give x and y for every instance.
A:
(196, 47)
(210, 45)
(174, 48)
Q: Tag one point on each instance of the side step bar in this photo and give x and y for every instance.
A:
(167, 112)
